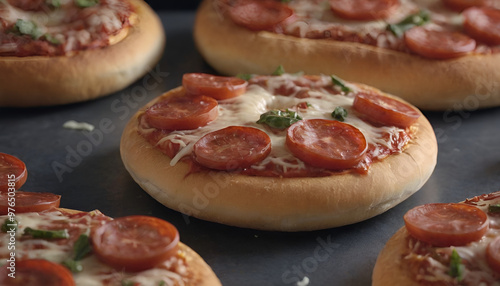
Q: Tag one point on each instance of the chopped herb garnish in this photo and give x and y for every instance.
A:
(54, 3)
(494, 208)
(51, 39)
(340, 82)
(9, 224)
(244, 76)
(47, 234)
(128, 283)
(456, 266)
(27, 28)
(339, 113)
(86, 3)
(417, 19)
(80, 249)
(73, 265)
(279, 119)
(162, 283)
(279, 71)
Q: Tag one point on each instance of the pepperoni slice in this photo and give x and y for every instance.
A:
(23, 202)
(182, 112)
(385, 110)
(12, 170)
(259, 15)
(438, 44)
(326, 143)
(135, 243)
(363, 10)
(231, 148)
(483, 24)
(493, 254)
(218, 87)
(36, 272)
(446, 224)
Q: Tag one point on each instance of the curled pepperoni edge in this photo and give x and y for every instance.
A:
(217, 87)
(391, 112)
(162, 116)
(120, 259)
(257, 15)
(28, 201)
(477, 226)
(7, 172)
(472, 26)
(438, 45)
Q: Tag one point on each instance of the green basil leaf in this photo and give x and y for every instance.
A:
(73, 265)
(337, 81)
(456, 266)
(82, 247)
(279, 119)
(86, 3)
(128, 283)
(51, 39)
(339, 113)
(279, 70)
(10, 224)
(54, 3)
(27, 28)
(494, 208)
(418, 19)
(47, 234)
(244, 76)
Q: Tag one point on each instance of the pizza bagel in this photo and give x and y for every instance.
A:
(252, 153)
(76, 51)
(42, 244)
(444, 244)
(455, 69)
(72, 247)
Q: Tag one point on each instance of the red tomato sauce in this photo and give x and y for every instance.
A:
(374, 154)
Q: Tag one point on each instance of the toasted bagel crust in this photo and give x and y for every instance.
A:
(389, 268)
(273, 203)
(393, 266)
(201, 272)
(468, 82)
(88, 74)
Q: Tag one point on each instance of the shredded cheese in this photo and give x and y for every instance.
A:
(473, 255)
(245, 110)
(72, 124)
(94, 271)
(69, 27)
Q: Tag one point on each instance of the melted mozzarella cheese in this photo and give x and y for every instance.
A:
(316, 16)
(63, 26)
(245, 110)
(473, 255)
(95, 273)
(50, 250)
